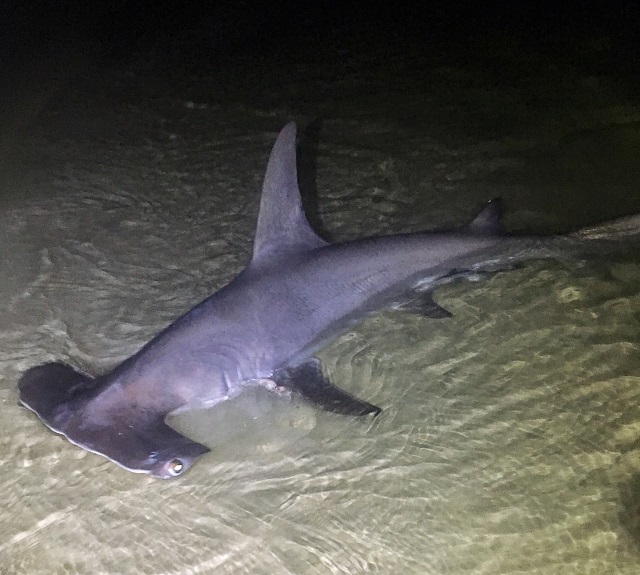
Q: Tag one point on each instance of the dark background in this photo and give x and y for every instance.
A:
(117, 28)
(263, 54)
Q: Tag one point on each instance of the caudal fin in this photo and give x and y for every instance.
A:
(627, 228)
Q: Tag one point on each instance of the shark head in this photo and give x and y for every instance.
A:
(136, 438)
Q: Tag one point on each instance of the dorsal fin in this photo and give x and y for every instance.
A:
(487, 222)
(282, 226)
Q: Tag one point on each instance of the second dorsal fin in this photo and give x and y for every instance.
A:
(487, 222)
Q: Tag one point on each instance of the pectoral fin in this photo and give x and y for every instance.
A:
(308, 380)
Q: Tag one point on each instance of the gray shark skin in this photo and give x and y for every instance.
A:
(297, 293)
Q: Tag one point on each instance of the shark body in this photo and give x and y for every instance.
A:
(297, 293)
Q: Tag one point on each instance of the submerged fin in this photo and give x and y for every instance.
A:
(69, 403)
(282, 226)
(487, 222)
(309, 381)
(422, 304)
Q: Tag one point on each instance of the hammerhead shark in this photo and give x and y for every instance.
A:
(297, 293)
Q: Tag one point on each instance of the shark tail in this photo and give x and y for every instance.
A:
(622, 229)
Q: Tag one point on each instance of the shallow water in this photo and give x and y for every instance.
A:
(510, 436)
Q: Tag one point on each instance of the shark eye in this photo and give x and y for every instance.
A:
(175, 467)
